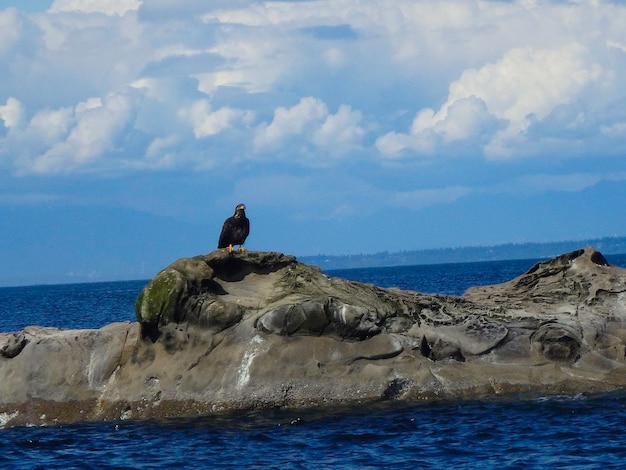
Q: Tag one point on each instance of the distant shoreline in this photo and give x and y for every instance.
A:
(468, 254)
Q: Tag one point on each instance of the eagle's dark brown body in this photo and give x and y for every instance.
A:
(235, 229)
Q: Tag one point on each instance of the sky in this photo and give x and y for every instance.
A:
(130, 129)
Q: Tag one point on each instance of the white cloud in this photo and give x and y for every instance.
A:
(267, 14)
(12, 113)
(108, 7)
(89, 54)
(527, 82)
(523, 86)
(292, 121)
(617, 129)
(206, 122)
(340, 130)
(95, 132)
(310, 121)
(616, 45)
(253, 61)
(313, 80)
(51, 125)
(394, 144)
(161, 153)
(252, 81)
(89, 103)
(10, 30)
(466, 118)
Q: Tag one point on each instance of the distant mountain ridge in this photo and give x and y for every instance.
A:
(607, 246)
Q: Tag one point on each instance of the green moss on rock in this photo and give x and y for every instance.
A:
(159, 300)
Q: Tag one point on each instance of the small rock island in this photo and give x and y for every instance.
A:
(259, 329)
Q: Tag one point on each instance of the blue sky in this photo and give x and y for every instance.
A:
(130, 129)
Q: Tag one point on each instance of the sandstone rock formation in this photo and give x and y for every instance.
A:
(259, 329)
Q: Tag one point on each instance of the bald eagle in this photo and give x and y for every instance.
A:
(235, 230)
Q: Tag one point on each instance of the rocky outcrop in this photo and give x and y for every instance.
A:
(257, 329)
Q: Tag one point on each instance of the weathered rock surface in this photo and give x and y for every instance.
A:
(259, 329)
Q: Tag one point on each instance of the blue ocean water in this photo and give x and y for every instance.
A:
(582, 431)
(75, 306)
